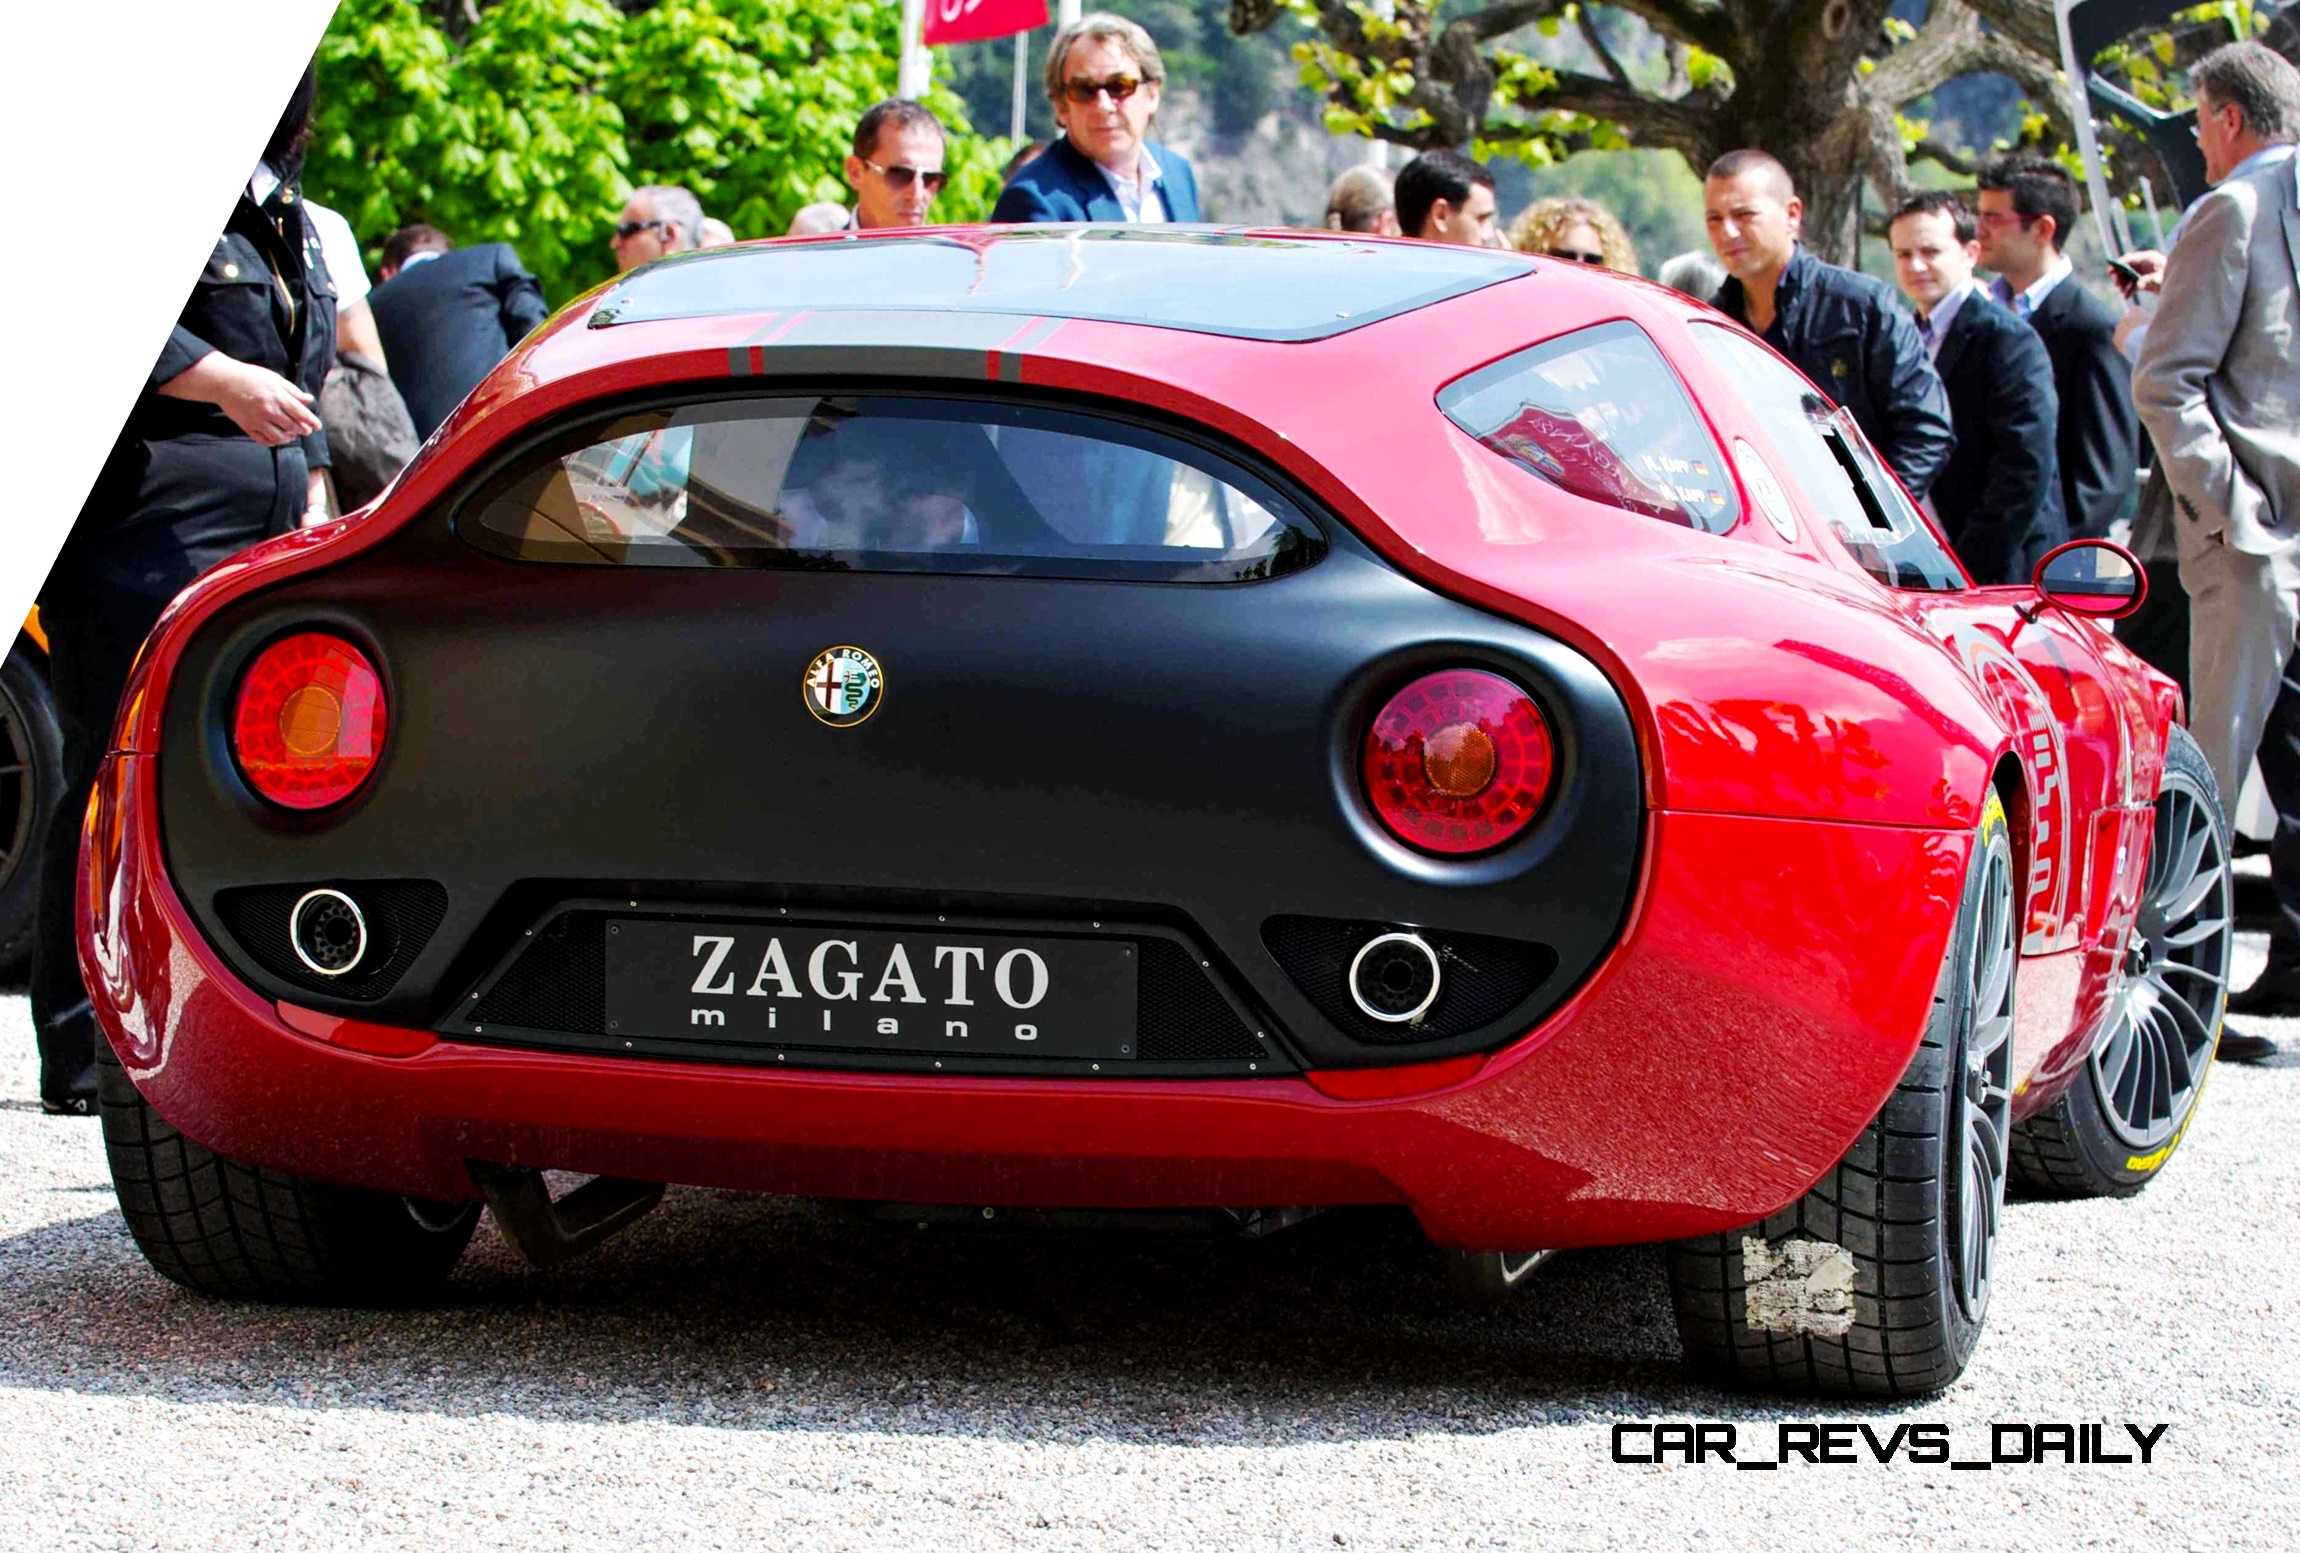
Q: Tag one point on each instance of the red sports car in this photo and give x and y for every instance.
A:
(1156, 719)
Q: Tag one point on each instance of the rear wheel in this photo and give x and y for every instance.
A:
(1875, 1282)
(31, 783)
(2116, 1125)
(219, 1227)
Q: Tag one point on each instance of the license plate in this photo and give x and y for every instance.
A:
(967, 994)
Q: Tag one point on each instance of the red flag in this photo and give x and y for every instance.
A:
(972, 21)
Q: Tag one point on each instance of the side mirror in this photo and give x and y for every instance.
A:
(2096, 577)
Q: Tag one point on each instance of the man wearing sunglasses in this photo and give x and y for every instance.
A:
(1104, 76)
(661, 218)
(896, 168)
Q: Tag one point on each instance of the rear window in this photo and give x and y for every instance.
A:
(1266, 286)
(889, 483)
(1599, 413)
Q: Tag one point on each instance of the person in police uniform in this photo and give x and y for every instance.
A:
(222, 449)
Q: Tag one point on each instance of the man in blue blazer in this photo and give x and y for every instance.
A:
(1104, 75)
(1998, 496)
(447, 315)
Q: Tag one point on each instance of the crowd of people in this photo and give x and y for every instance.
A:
(291, 389)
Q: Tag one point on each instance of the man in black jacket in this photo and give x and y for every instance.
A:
(2027, 208)
(1998, 497)
(221, 449)
(1842, 329)
(447, 316)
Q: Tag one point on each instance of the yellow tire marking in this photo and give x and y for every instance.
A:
(2143, 1164)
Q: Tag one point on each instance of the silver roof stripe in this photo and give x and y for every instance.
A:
(1010, 356)
(740, 360)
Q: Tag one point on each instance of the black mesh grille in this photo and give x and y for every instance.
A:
(559, 983)
(1484, 978)
(1179, 1017)
(401, 916)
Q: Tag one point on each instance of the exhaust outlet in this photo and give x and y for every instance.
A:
(1395, 978)
(327, 932)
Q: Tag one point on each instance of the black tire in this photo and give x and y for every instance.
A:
(2111, 1131)
(237, 1231)
(1875, 1282)
(31, 783)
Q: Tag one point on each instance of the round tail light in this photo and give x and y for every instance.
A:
(1458, 762)
(308, 725)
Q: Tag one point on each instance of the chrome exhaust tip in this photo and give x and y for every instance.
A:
(1395, 978)
(327, 932)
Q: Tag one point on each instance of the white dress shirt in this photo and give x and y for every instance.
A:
(2025, 303)
(1936, 323)
(1138, 196)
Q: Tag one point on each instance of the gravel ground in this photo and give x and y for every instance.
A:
(743, 1373)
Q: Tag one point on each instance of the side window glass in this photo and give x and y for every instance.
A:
(1917, 556)
(1833, 464)
(1600, 413)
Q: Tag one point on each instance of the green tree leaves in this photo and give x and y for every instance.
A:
(537, 126)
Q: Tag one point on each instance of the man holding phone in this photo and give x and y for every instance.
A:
(2215, 384)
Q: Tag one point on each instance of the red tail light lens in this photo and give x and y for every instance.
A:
(309, 722)
(1458, 762)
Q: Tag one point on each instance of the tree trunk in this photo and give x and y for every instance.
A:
(1798, 89)
(1824, 134)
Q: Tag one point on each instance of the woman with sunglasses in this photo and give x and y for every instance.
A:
(1576, 230)
(1104, 76)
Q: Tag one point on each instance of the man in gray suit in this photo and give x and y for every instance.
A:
(2216, 385)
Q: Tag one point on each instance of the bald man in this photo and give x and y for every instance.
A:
(1845, 331)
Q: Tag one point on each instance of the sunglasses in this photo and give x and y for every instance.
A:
(626, 230)
(1577, 255)
(900, 177)
(1120, 87)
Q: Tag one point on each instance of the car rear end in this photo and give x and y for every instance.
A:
(771, 752)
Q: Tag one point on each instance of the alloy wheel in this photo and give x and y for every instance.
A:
(1986, 1079)
(19, 788)
(2147, 1069)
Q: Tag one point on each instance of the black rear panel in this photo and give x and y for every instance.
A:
(1061, 751)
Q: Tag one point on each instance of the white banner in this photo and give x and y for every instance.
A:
(129, 127)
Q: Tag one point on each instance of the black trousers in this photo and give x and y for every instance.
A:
(2159, 632)
(195, 501)
(2280, 775)
(92, 642)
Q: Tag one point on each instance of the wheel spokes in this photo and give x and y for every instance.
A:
(2146, 1068)
(1984, 1078)
(1997, 982)
(2189, 937)
(2191, 896)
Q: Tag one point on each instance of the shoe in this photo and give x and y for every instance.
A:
(2238, 1046)
(70, 1105)
(2274, 994)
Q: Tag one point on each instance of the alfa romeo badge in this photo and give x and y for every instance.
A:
(843, 686)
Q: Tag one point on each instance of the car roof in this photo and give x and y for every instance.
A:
(1253, 285)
